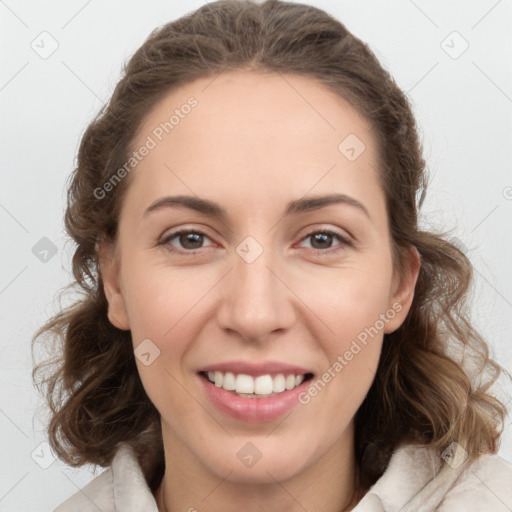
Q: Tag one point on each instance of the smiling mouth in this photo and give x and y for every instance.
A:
(262, 386)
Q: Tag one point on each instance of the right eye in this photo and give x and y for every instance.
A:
(184, 240)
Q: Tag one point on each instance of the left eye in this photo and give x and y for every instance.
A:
(324, 239)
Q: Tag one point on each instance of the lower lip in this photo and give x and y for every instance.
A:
(253, 409)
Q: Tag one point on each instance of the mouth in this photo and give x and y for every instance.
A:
(258, 394)
(261, 386)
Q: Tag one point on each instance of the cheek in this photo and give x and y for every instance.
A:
(351, 310)
(168, 306)
(352, 313)
(354, 344)
(159, 299)
(165, 305)
(348, 301)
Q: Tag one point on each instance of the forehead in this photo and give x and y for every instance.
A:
(258, 134)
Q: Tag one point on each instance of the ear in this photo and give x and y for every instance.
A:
(109, 270)
(403, 289)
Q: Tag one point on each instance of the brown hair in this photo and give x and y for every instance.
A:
(420, 394)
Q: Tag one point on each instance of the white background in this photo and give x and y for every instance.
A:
(463, 105)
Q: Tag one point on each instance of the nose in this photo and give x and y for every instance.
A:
(256, 301)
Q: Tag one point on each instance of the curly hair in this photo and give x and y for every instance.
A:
(421, 394)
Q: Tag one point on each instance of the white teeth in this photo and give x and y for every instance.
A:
(250, 387)
(279, 384)
(263, 385)
(244, 384)
(229, 382)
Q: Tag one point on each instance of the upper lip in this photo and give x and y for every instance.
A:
(255, 369)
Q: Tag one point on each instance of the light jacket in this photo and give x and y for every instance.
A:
(416, 480)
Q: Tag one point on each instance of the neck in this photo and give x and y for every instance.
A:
(326, 485)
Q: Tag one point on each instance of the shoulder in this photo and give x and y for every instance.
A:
(98, 494)
(486, 484)
(121, 488)
(417, 479)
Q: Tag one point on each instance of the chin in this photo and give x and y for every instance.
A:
(263, 472)
(257, 461)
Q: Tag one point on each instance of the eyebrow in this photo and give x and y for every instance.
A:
(294, 207)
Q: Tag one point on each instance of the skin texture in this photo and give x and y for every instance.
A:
(253, 143)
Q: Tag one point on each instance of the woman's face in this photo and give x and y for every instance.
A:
(254, 169)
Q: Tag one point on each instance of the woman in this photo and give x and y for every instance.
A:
(263, 324)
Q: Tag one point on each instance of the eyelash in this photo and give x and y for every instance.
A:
(324, 252)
